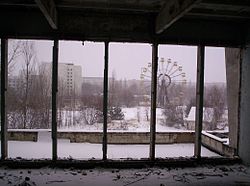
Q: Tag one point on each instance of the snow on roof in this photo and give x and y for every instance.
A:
(208, 114)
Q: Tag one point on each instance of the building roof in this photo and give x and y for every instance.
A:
(208, 114)
(192, 22)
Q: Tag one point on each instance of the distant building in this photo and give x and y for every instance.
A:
(93, 80)
(14, 82)
(208, 119)
(69, 76)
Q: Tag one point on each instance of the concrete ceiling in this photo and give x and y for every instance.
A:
(190, 22)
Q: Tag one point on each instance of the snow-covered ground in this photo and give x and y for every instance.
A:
(136, 119)
(36, 150)
(234, 175)
(43, 149)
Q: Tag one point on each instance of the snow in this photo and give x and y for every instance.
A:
(207, 114)
(229, 175)
(43, 149)
(136, 119)
(223, 140)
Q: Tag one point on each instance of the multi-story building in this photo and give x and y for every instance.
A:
(69, 77)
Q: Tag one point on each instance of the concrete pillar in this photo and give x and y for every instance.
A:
(233, 61)
(244, 133)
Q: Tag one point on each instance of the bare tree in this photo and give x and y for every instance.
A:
(60, 102)
(29, 56)
(89, 115)
(215, 97)
(43, 96)
(113, 91)
(15, 50)
(146, 110)
(172, 115)
(138, 114)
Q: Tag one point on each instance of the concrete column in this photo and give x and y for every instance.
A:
(244, 132)
(233, 61)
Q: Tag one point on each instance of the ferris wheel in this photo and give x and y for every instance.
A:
(169, 74)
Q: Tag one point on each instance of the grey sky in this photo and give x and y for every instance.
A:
(127, 59)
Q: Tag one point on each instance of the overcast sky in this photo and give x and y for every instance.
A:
(126, 60)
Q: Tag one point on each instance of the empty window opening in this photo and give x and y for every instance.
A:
(29, 99)
(80, 104)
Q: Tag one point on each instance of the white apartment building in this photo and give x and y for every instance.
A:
(69, 77)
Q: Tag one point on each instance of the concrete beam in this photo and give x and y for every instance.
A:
(171, 12)
(241, 5)
(48, 9)
(122, 28)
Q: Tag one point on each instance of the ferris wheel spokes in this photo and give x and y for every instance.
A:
(181, 74)
(179, 68)
(168, 74)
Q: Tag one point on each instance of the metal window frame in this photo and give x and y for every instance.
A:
(199, 99)
(105, 101)
(54, 99)
(153, 101)
(4, 85)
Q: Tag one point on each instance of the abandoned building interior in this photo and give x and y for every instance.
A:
(200, 23)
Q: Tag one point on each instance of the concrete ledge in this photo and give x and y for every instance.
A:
(19, 135)
(117, 137)
(216, 144)
(142, 163)
(128, 137)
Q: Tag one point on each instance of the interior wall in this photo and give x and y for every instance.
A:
(233, 57)
(244, 135)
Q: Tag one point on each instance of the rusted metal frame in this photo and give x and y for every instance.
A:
(153, 101)
(4, 85)
(199, 100)
(54, 99)
(105, 101)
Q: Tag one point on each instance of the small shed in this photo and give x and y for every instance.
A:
(208, 119)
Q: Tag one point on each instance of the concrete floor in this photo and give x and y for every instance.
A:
(233, 175)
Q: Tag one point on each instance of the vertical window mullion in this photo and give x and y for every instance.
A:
(54, 99)
(105, 101)
(153, 100)
(199, 99)
(4, 85)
